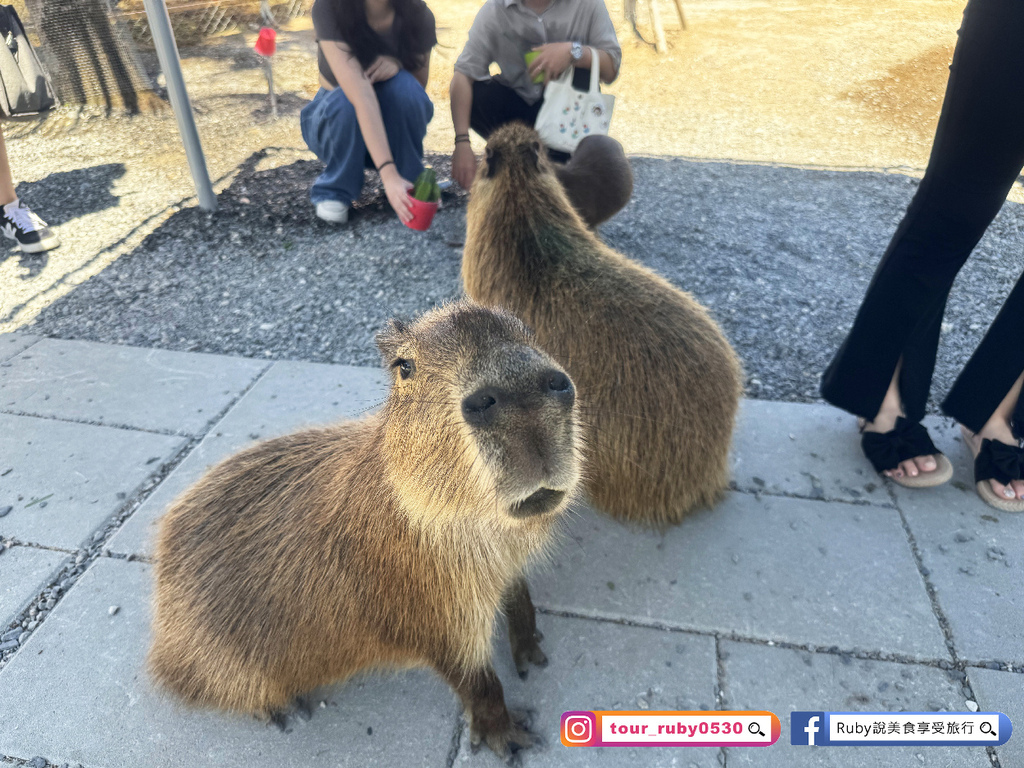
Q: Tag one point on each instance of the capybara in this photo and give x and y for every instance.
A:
(658, 382)
(598, 179)
(391, 541)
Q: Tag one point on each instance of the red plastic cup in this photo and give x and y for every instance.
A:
(266, 43)
(422, 214)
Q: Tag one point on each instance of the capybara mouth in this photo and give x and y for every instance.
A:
(537, 503)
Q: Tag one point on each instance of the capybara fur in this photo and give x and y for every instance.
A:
(387, 542)
(658, 382)
(598, 179)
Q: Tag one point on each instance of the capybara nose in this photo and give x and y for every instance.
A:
(481, 408)
(556, 383)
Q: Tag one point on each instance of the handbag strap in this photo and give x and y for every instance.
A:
(595, 72)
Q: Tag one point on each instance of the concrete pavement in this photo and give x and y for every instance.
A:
(813, 586)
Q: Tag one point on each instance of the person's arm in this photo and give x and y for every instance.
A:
(359, 91)
(474, 63)
(423, 73)
(555, 58)
(463, 159)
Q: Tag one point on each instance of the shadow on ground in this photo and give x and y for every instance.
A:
(781, 256)
(71, 194)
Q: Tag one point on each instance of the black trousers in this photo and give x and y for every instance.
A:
(495, 105)
(977, 154)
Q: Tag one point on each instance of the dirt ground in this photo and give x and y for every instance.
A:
(838, 83)
(831, 83)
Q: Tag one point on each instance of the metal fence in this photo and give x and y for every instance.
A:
(92, 47)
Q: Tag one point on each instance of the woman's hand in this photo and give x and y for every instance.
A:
(384, 68)
(464, 164)
(397, 189)
(553, 59)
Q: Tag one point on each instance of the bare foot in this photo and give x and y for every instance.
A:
(998, 431)
(885, 421)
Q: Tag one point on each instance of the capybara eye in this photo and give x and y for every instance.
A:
(406, 368)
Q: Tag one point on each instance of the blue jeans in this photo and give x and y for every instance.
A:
(331, 131)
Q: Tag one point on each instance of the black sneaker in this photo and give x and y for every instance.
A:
(19, 223)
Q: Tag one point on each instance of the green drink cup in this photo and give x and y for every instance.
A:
(539, 77)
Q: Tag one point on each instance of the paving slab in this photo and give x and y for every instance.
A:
(1003, 692)
(783, 681)
(806, 572)
(24, 571)
(92, 701)
(289, 396)
(975, 558)
(64, 479)
(13, 343)
(804, 450)
(600, 665)
(176, 392)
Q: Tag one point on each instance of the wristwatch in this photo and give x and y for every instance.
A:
(576, 52)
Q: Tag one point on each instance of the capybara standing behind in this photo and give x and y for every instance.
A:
(388, 542)
(658, 382)
(597, 179)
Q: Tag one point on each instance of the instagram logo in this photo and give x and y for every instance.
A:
(577, 728)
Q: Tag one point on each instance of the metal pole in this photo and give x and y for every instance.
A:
(167, 53)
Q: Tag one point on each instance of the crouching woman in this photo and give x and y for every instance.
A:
(372, 108)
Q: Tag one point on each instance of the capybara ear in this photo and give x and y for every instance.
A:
(493, 162)
(394, 333)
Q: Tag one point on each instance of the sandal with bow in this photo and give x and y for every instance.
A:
(1000, 462)
(885, 451)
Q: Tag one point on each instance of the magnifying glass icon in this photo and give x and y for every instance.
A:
(755, 728)
(986, 727)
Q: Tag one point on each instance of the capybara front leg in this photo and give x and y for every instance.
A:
(490, 721)
(522, 628)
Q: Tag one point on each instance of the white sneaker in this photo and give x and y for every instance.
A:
(333, 211)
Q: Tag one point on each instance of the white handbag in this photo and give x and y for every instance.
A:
(568, 115)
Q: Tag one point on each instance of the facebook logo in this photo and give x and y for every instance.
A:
(807, 728)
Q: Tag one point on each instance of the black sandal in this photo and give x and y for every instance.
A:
(1002, 463)
(885, 451)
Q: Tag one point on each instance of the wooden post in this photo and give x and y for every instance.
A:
(679, 10)
(661, 46)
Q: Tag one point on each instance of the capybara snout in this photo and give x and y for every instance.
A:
(525, 420)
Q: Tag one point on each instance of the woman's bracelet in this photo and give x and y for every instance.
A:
(462, 137)
(384, 165)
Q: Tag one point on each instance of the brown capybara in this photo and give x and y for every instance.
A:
(598, 179)
(388, 542)
(658, 382)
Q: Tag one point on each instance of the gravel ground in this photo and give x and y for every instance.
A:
(780, 255)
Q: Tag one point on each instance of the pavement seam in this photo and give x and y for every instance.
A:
(71, 571)
(947, 631)
(721, 701)
(91, 423)
(832, 650)
(31, 344)
(789, 495)
(456, 743)
(11, 543)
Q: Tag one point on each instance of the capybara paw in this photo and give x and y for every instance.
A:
(508, 742)
(527, 655)
(283, 719)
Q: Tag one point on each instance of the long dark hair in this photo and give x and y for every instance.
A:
(414, 41)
